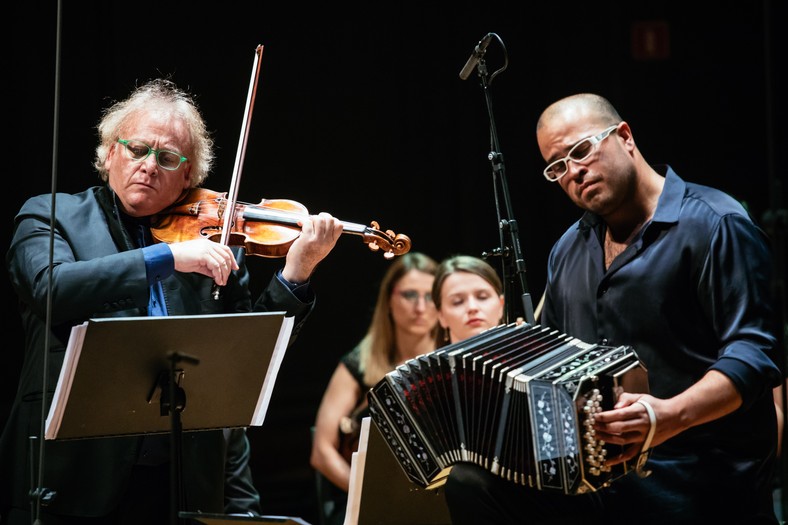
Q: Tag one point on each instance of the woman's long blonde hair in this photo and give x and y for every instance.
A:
(379, 345)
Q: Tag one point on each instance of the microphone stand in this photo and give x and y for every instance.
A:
(509, 250)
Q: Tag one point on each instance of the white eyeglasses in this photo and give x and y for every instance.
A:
(579, 152)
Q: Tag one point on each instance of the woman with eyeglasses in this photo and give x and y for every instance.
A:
(403, 326)
(468, 294)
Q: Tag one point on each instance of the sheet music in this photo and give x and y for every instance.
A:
(64, 381)
(357, 464)
(273, 369)
(388, 496)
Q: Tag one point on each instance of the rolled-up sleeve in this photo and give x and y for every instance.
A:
(737, 277)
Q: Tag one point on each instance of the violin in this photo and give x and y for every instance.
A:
(265, 229)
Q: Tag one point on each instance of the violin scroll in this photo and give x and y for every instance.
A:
(392, 243)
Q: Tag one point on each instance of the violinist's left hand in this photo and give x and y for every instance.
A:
(319, 235)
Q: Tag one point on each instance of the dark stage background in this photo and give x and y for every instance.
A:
(360, 112)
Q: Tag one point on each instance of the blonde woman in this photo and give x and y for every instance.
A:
(403, 326)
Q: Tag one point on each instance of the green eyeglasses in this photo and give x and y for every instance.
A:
(139, 151)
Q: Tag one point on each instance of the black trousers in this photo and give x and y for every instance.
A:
(477, 497)
(670, 496)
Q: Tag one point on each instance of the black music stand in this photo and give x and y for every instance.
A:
(381, 494)
(230, 519)
(123, 376)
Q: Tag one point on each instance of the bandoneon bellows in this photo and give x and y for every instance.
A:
(517, 399)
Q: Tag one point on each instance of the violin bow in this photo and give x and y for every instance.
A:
(232, 195)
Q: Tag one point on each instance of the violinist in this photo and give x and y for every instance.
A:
(154, 148)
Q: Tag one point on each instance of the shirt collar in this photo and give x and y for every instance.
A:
(669, 204)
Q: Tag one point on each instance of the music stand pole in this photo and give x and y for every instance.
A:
(173, 401)
(511, 254)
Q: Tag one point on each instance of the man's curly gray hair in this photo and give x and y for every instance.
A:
(162, 95)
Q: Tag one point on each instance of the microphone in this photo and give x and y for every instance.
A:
(478, 53)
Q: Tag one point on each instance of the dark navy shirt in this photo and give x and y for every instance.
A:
(692, 293)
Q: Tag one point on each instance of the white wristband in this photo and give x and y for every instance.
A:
(652, 419)
(643, 457)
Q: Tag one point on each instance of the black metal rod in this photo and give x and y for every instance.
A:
(513, 263)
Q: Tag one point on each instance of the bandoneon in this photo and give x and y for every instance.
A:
(518, 400)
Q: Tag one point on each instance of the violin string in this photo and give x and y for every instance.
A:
(242, 205)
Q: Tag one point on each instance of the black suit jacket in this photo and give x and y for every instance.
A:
(98, 272)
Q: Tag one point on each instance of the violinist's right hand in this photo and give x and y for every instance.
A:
(204, 256)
